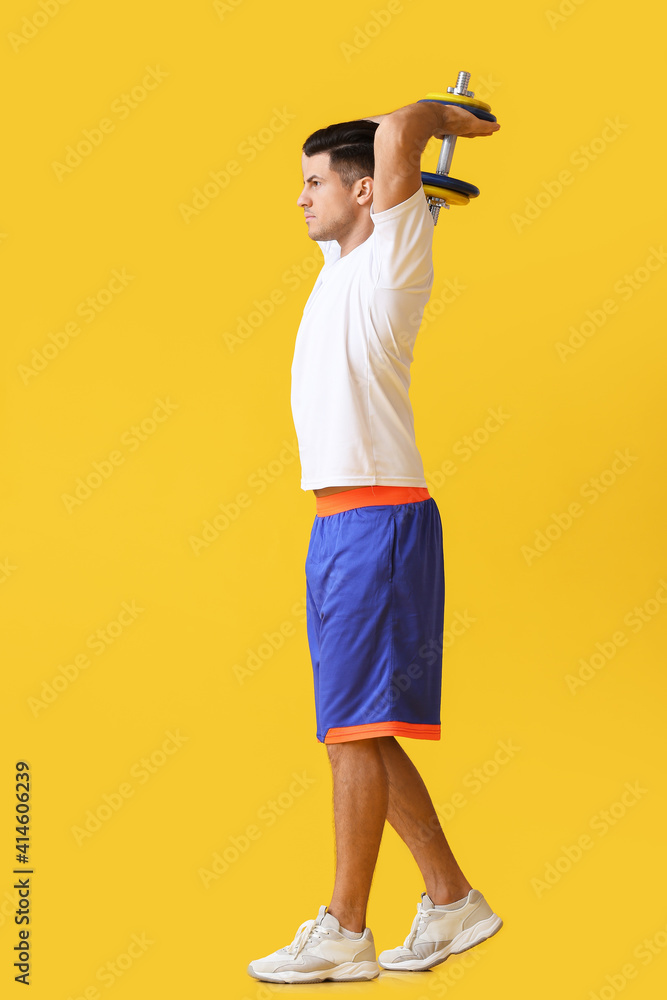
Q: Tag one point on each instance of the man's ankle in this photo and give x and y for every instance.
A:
(449, 894)
(348, 919)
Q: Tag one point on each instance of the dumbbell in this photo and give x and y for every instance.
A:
(440, 189)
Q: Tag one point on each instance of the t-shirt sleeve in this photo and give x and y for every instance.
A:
(404, 243)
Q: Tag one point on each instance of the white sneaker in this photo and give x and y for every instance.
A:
(438, 932)
(319, 951)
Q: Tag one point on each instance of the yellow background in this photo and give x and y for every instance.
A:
(553, 84)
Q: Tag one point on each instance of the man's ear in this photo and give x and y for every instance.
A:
(365, 190)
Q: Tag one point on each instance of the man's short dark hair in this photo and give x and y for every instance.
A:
(350, 148)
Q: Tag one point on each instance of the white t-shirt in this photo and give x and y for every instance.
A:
(352, 355)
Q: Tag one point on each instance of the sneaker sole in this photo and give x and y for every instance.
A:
(347, 972)
(479, 932)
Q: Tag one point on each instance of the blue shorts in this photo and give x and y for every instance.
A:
(375, 613)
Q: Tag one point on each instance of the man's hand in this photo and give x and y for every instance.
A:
(457, 121)
(400, 140)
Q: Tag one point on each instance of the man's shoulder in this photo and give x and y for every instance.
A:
(404, 243)
(415, 205)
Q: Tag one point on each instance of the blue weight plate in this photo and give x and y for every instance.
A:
(477, 112)
(444, 181)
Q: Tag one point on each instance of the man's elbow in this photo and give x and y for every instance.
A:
(392, 123)
(408, 129)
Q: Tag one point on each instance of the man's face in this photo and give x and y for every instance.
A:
(330, 209)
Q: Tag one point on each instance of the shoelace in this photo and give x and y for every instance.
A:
(303, 935)
(417, 924)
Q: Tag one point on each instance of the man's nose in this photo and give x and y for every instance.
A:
(302, 201)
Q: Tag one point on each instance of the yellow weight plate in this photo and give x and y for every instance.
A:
(451, 197)
(458, 99)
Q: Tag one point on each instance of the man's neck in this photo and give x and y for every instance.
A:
(354, 239)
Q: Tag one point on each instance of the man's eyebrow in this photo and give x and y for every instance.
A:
(314, 177)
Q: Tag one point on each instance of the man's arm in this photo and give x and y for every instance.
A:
(401, 138)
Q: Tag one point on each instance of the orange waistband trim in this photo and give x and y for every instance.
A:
(368, 496)
(417, 730)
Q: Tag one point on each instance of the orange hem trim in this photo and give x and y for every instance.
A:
(417, 730)
(368, 496)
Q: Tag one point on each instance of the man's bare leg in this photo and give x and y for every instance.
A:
(374, 780)
(410, 811)
(360, 795)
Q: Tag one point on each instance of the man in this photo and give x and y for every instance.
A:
(375, 566)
